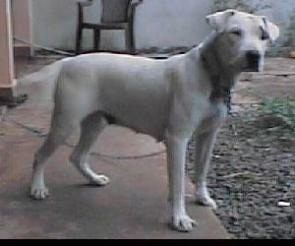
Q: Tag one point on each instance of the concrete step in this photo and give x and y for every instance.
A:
(133, 206)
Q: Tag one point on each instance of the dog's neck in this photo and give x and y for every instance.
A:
(222, 76)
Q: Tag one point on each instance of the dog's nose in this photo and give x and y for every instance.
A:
(253, 59)
(253, 56)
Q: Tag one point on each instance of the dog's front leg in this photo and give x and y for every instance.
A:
(176, 150)
(204, 147)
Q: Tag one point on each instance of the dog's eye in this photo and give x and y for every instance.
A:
(236, 32)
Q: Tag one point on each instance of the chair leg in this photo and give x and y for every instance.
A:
(96, 40)
(78, 40)
(130, 42)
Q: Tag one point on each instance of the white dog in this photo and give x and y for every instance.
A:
(166, 99)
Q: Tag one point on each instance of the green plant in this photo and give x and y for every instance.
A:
(282, 109)
(242, 5)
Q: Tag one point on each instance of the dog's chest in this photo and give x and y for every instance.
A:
(195, 108)
(213, 116)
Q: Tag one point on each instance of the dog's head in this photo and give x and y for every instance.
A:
(243, 38)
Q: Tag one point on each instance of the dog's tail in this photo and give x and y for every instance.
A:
(48, 74)
(47, 78)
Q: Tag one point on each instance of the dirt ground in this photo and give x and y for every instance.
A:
(253, 169)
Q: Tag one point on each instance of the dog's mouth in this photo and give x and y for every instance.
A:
(252, 68)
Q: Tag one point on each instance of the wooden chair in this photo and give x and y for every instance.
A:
(116, 15)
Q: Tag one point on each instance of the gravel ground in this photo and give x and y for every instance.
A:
(253, 169)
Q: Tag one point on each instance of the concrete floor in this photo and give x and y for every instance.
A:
(133, 206)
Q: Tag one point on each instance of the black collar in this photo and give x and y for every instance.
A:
(219, 91)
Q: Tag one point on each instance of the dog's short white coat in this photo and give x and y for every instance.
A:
(167, 99)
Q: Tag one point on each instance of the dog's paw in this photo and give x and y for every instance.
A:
(206, 200)
(183, 223)
(100, 180)
(39, 193)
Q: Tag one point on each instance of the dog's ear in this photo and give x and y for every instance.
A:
(273, 30)
(218, 20)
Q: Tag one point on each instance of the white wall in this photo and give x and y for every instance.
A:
(171, 22)
(159, 23)
(54, 22)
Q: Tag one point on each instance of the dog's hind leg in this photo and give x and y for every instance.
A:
(59, 131)
(91, 127)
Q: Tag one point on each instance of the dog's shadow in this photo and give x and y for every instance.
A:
(89, 186)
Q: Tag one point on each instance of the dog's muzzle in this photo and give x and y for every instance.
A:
(253, 60)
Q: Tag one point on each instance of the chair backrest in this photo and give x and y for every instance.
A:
(114, 11)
